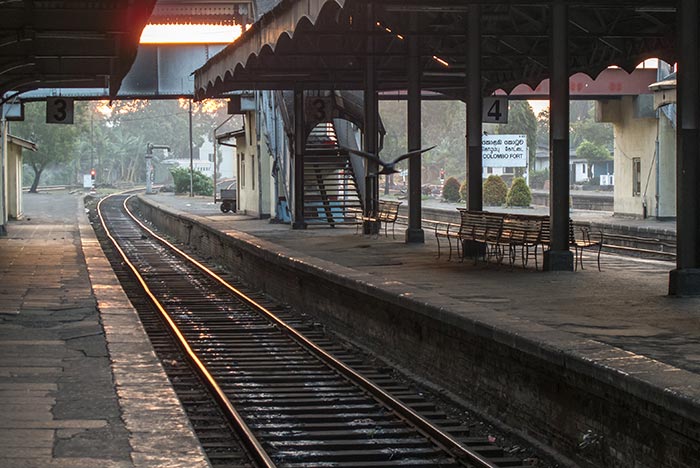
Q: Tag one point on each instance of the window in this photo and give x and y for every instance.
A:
(636, 177)
(242, 170)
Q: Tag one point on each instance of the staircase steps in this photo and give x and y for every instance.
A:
(331, 196)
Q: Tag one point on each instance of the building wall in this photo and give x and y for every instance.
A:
(635, 137)
(14, 181)
(253, 171)
(247, 197)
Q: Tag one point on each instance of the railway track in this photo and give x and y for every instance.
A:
(293, 397)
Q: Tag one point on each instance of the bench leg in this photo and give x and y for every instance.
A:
(578, 257)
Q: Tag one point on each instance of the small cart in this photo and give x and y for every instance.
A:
(227, 198)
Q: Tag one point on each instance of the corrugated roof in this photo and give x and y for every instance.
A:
(322, 43)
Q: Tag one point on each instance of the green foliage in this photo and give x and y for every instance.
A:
(584, 127)
(201, 184)
(56, 144)
(495, 191)
(463, 194)
(112, 139)
(538, 178)
(592, 153)
(450, 191)
(543, 128)
(519, 193)
(443, 125)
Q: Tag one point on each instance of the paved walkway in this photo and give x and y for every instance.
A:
(626, 305)
(80, 386)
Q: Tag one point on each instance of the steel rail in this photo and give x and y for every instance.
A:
(252, 444)
(429, 430)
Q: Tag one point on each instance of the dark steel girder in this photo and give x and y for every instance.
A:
(63, 43)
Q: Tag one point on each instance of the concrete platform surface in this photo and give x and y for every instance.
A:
(78, 376)
(626, 305)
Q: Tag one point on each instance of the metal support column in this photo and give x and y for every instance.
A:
(191, 153)
(299, 145)
(685, 279)
(559, 257)
(414, 233)
(474, 110)
(3, 179)
(370, 134)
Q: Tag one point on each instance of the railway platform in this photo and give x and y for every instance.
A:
(625, 305)
(600, 353)
(80, 386)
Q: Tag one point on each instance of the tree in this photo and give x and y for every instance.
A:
(519, 193)
(450, 191)
(494, 191)
(543, 128)
(463, 193)
(56, 144)
(443, 125)
(584, 127)
(592, 153)
(120, 132)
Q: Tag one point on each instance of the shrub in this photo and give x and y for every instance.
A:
(538, 178)
(519, 193)
(463, 191)
(201, 184)
(495, 191)
(450, 191)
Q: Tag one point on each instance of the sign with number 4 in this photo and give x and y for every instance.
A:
(495, 109)
(59, 110)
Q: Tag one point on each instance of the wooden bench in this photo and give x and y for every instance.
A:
(503, 234)
(482, 227)
(579, 243)
(475, 226)
(448, 231)
(519, 231)
(387, 213)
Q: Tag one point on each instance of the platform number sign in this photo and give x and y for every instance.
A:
(495, 109)
(319, 109)
(59, 110)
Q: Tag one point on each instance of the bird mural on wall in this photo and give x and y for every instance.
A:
(387, 167)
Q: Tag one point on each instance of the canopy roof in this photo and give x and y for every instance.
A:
(322, 44)
(69, 43)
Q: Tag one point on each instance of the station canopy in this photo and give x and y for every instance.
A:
(69, 43)
(323, 44)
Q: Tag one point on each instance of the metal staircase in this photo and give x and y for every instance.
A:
(331, 196)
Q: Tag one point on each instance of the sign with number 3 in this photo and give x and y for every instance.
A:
(59, 110)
